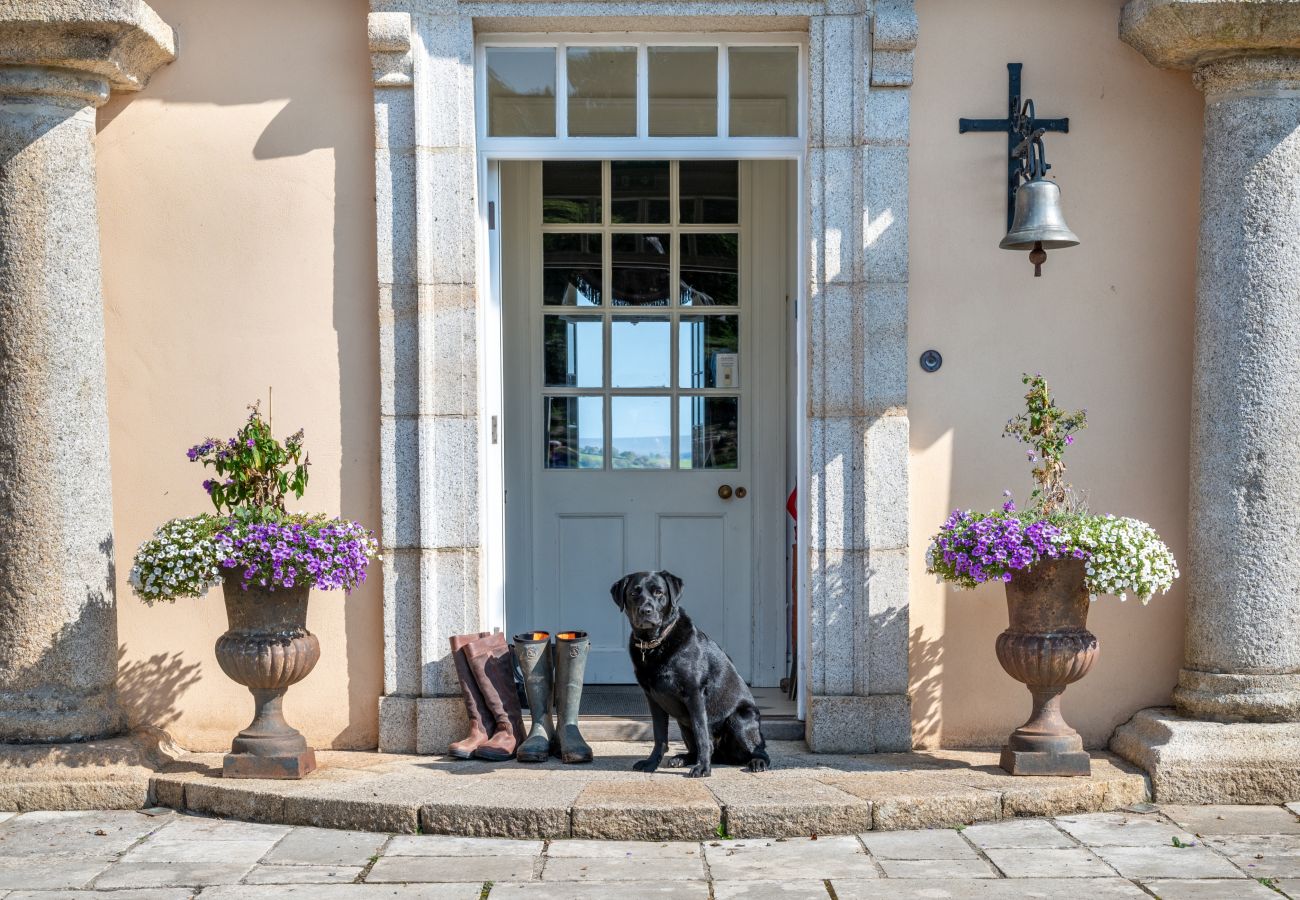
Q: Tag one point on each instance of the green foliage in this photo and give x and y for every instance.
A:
(255, 471)
(1048, 430)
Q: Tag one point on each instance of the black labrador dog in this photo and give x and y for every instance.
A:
(687, 676)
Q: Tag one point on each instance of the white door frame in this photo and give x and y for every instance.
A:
(491, 323)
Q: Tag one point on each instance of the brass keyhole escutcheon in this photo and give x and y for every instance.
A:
(740, 493)
(725, 492)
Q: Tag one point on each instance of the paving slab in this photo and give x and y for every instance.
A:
(303, 874)
(182, 827)
(143, 894)
(770, 890)
(184, 852)
(624, 869)
(1261, 855)
(1209, 820)
(1016, 834)
(680, 890)
(326, 847)
(674, 808)
(934, 844)
(449, 845)
(1167, 861)
(759, 806)
(1290, 887)
(452, 869)
(1120, 829)
(1039, 862)
(937, 868)
(670, 850)
(1209, 889)
(52, 835)
(471, 891)
(909, 801)
(171, 874)
(52, 875)
(775, 859)
(989, 889)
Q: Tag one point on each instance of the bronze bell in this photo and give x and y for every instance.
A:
(1038, 225)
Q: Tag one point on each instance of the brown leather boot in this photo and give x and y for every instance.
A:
(489, 660)
(479, 715)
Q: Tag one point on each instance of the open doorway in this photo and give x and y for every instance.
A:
(647, 383)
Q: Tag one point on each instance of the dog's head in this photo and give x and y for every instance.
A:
(648, 599)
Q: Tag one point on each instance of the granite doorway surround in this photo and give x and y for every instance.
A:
(431, 303)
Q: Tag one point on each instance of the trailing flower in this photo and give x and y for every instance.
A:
(328, 554)
(1122, 556)
(180, 560)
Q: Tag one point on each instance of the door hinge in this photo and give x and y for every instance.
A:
(492, 215)
(494, 429)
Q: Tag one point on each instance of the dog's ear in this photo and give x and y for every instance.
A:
(674, 586)
(618, 590)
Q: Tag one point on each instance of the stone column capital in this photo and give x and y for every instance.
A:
(120, 42)
(1184, 34)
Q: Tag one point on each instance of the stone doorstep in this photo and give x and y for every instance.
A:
(804, 794)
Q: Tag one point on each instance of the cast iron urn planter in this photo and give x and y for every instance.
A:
(267, 648)
(1047, 646)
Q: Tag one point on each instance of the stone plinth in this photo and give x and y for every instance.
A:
(1242, 653)
(58, 643)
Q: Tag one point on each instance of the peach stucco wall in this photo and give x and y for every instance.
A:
(237, 209)
(238, 237)
(1110, 324)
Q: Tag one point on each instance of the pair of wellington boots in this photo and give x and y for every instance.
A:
(553, 673)
(487, 682)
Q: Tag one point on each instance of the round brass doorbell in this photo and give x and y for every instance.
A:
(740, 493)
(725, 492)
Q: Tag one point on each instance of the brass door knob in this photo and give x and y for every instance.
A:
(740, 493)
(725, 492)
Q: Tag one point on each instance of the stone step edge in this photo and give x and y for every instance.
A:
(655, 822)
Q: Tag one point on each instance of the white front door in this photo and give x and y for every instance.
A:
(645, 383)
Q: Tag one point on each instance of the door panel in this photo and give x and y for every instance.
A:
(631, 375)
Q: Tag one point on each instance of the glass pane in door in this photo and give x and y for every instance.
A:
(571, 269)
(708, 432)
(639, 191)
(710, 192)
(640, 351)
(710, 268)
(575, 432)
(571, 193)
(574, 351)
(641, 269)
(640, 432)
(708, 352)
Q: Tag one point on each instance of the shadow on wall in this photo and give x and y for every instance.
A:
(301, 53)
(925, 657)
(150, 688)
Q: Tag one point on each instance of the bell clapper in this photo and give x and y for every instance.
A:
(1038, 256)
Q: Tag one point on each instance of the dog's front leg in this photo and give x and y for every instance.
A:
(660, 720)
(696, 706)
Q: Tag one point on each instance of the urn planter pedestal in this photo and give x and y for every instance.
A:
(267, 648)
(1047, 646)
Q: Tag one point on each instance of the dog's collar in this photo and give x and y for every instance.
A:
(644, 646)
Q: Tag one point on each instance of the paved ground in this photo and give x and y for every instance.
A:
(1171, 852)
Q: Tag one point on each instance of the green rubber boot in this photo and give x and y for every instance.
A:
(571, 649)
(533, 653)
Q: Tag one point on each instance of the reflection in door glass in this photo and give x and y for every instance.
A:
(710, 269)
(571, 193)
(641, 432)
(571, 269)
(708, 352)
(573, 351)
(640, 352)
(709, 191)
(639, 190)
(575, 432)
(640, 269)
(708, 430)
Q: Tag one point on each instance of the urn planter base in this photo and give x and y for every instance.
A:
(287, 765)
(1039, 762)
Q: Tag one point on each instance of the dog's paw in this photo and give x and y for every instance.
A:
(678, 761)
(699, 771)
(759, 765)
(646, 765)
